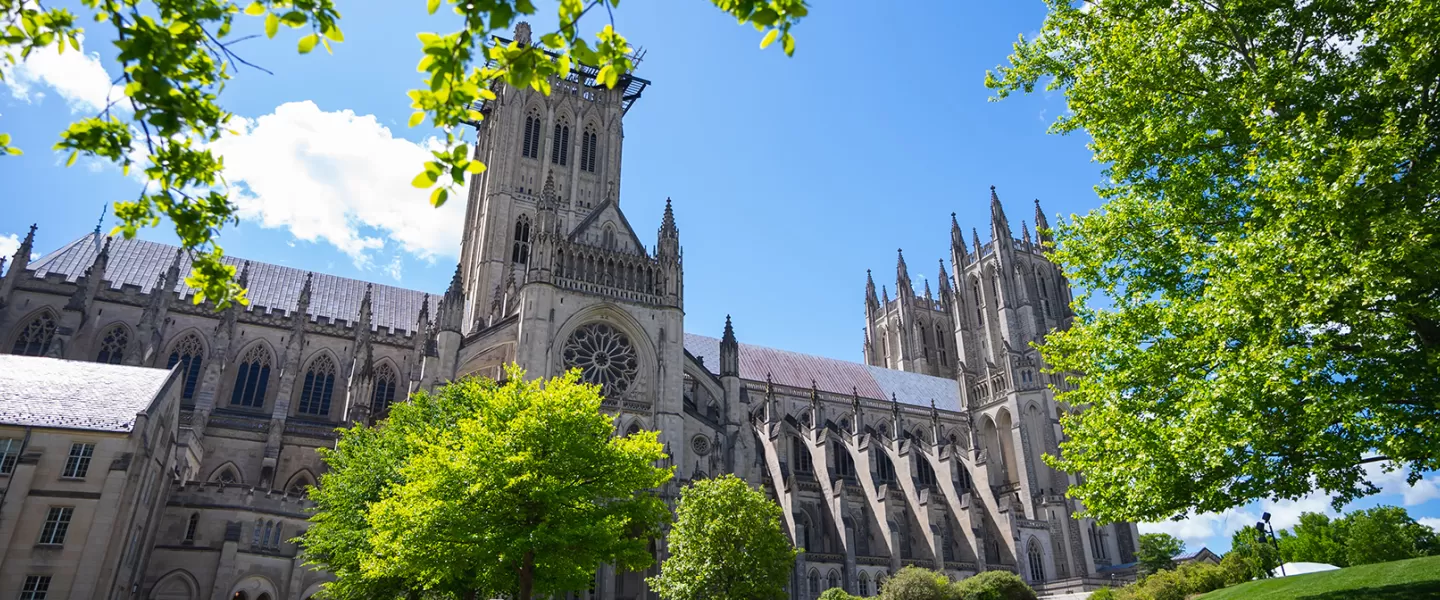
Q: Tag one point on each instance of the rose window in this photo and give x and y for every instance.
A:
(604, 356)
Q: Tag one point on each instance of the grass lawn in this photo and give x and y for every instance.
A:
(1403, 579)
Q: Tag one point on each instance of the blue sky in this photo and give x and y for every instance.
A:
(790, 177)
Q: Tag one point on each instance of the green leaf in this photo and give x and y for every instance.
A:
(307, 43)
(432, 6)
(71, 161)
(4, 139)
(424, 180)
(294, 18)
(475, 167)
(769, 38)
(272, 25)
(13, 151)
(255, 9)
(789, 44)
(417, 118)
(334, 34)
(438, 197)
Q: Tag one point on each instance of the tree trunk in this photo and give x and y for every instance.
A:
(527, 575)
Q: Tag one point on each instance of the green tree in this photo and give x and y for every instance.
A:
(726, 542)
(993, 585)
(915, 583)
(1383, 534)
(831, 594)
(1268, 239)
(1258, 556)
(175, 57)
(481, 490)
(1158, 551)
(1315, 539)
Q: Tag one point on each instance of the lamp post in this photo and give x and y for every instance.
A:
(1264, 527)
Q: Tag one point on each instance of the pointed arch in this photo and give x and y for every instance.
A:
(114, 343)
(187, 351)
(299, 482)
(319, 386)
(176, 585)
(383, 394)
(560, 141)
(1036, 559)
(864, 582)
(228, 473)
(258, 587)
(520, 248)
(252, 376)
(530, 148)
(37, 335)
(588, 146)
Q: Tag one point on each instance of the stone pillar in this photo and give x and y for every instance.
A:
(102, 530)
(225, 570)
(14, 499)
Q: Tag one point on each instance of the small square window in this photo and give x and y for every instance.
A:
(79, 462)
(57, 523)
(36, 586)
(9, 454)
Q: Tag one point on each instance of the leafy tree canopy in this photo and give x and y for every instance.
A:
(1317, 539)
(1386, 533)
(485, 490)
(726, 542)
(176, 55)
(1257, 556)
(1158, 551)
(915, 583)
(1268, 239)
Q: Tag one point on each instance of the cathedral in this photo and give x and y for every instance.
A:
(925, 452)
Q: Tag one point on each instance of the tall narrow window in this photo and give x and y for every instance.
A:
(520, 251)
(255, 535)
(188, 354)
(530, 147)
(275, 538)
(560, 144)
(36, 587)
(384, 394)
(940, 344)
(9, 455)
(112, 345)
(587, 148)
(191, 526)
(57, 523)
(251, 378)
(1037, 562)
(35, 338)
(78, 463)
(319, 386)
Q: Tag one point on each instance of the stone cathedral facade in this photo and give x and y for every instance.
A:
(928, 452)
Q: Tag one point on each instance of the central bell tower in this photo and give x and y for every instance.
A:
(568, 143)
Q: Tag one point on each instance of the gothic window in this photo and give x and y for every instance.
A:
(298, 486)
(274, 543)
(531, 145)
(191, 526)
(834, 579)
(319, 386)
(520, 252)
(800, 456)
(587, 148)
(940, 345)
(607, 237)
(384, 394)
(251, 378)
(814, 583)
(188, 355)
(844, 463)
(35, 338)
(633, 429)
(112, 345)
(864, 582)
(925, 472)
(604, 356)
(255, 537)
(560, 149)
(1037, 562)
(226, 475)
(979, 311)
(962, 476)
(884, 471)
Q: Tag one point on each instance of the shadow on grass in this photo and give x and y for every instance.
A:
(1399, 591)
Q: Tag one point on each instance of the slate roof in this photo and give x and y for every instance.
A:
(141, 263)
(68, 394)
(830, 375)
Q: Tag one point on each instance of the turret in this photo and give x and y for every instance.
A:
(1025, 234)
(668, 252)
(871, 302)
(417, 345)
(999, 225)
(772, 408)
(729, 352)
(362, 366)
(452, 305)
(945, 291)
(150, 329)
(903, 288)
(18, 263)
(975, 236)
(957, 240)
(447, 330)
(1042, 227)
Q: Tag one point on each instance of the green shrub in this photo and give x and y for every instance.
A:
(1104, 593)
(1163, 585)
(1200, 578)
(1235, 569)
(837, 594)
(915, 583)
(994, 585)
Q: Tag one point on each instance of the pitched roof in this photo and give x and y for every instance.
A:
(141, 263)
(68, 394)
(830, 375)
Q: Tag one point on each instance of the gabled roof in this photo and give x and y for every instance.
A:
(68, 394)
(141, 263)
(831, 375)
(595, 216)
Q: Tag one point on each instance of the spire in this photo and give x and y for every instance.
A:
(975, 235)
(957, 239)
(999, 226)
(885, 295)
(902, 275)
(667, 222)
(365, 312)
(99, 222)
(547, 192)
(928, 296)
(244, 279)
(669, 242)
(1042, 225)
(1025, 231)
(944, 279)
(172, 274)
(870, 300)
(729, 351)
(22, 254)
(895, 416)
(729, 337)
(422, 321)
(304, 303)
(772, 411)
(814, 405)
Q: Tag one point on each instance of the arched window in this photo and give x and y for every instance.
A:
(531, 145)
(884, 471)
(979, 304)
(384, 394)
(264, 542)
(191, 526)
(940, 344)
(299, 486)
(112, 345)
(227, 476)
(925, 472)
(607, 237)
(880, 581)
(35, 338)
(319, 385)
(1037, 562)
(520, 252)
(274, 542)
(257, 532)
(864, 582)
(633, 429)
(834, 579)
(251, 378)
(560, 149)
(188, 354)
(814, 583)
(587, 148)
(801, 456)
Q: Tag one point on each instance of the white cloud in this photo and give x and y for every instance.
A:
(1394, 482)
(1431, 522)
(8, 245)
(337, 178)
(1197, 530)
(76, 75)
